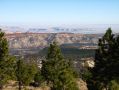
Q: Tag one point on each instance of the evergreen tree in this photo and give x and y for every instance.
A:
(25, 72)
(19, 72)
(106, 62)
(57, 71)
(38, 79)
(6, 61)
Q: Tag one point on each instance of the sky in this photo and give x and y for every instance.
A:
(58, 12)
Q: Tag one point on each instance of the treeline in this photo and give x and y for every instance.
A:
(56, 71)
(71, 52)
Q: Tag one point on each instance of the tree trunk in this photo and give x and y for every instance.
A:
(20, 85)
(1, 87)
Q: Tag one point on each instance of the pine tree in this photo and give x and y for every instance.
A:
(106, 61)
(19, 72)
(6, 61)
(38, 78)
(57, 71)
(25, 72)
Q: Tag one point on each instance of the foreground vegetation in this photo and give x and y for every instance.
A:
(57, 72)
(105, 74)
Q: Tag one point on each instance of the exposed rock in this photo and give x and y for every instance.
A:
(82, 85)
(33, 40)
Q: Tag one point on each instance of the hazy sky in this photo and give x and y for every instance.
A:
(58, 12)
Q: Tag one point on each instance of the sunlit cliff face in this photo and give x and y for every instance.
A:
(32, 40)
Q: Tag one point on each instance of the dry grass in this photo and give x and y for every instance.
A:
(12, 85)
(82, 85)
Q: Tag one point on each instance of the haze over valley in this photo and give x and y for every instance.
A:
(82, 29)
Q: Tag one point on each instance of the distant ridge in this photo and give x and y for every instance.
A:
(84, 29)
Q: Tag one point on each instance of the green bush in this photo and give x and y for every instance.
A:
(113, 85)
